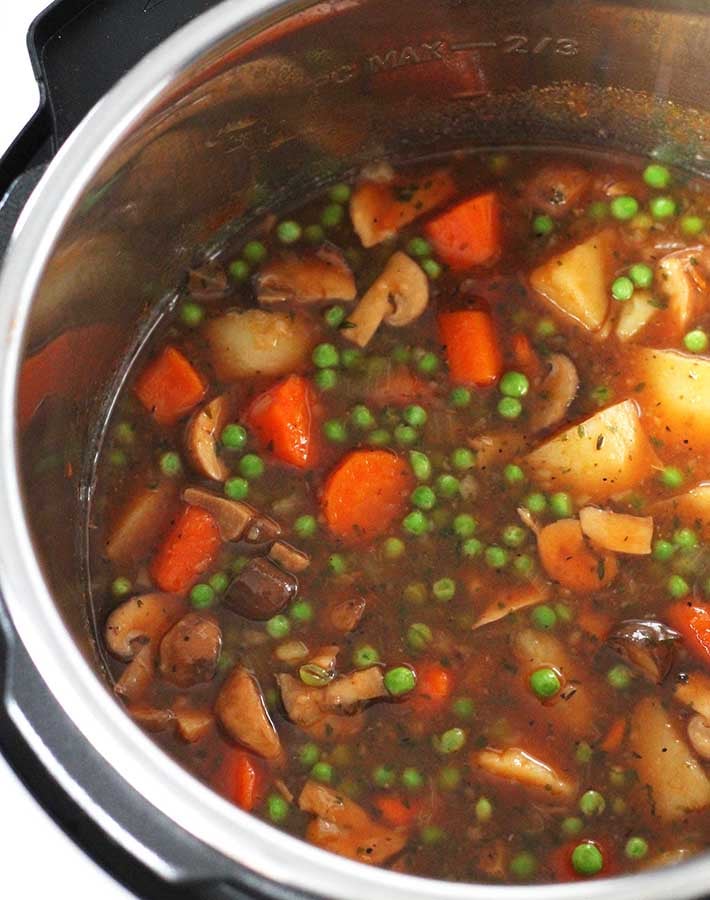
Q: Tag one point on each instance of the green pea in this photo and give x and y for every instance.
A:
(544, 617)
(379, 437)
(671, 477)
(121, 586)
(545, 328)
(662, 207)
(584, 753)
(308, 755)
(332, 215)
(125, 434)
(641, 275)
(692, 225)
(432, 269)
(305, 526)
(334, 316)
(394, 548)
(400, 680)
(405, 435)
(685, 538)
(428, 363)
(463, 708)
(471, 547)
(460, 397)
(545, 683)
(561, 505)
(513, 474)
(523, 865)
(351, 357)
(118, 459)
(572, 826)
(509, 407)
(463, 459)
(277, 808)
(191, 314)
(449, 778)
(337, 564)
(278, 627)
(415, 523)
(412, 779)
(419, 635)
(384, 776)
(401, 354)
(464, 525)
(636, 848)
(415, 415)
(514, 535)
(421, 465)
(483, 809)
(598, 209)
(536, 503)
(416, 592)
(451, 741)
(624, 208)
(591, 803)
(622, 288)
(444, 589)
(523, 564)
(564, 613)
(302, 611)
(696, 341)
(325, 356)
(365, 656)
(339, 193)
(619, 677)
(418, 247)
(587, 859)
(322, 772)
(239, 270)
(170, 464)
(362, 418)
(234, 437)
(496, 557)
(542, 225)
(601, 394)
(656, 176)
(514, 384)
(314, 234)
(251, 466)
(254, 252)
(432, 834)
(423, 497)
(335, 431)
(663, 551)
(202, 596)
(288, 231)
(219, 582)
(447, 486)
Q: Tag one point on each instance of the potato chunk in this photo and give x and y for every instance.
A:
(576, 282)
(617, 532)
(674, 397)
(691, 508)
(516, 765)
(604, 455)
(665, 763)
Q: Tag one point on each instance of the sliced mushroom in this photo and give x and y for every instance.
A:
(683, 282)
(617, 532)
(189, 652)
(557, 391)
(241, 711)
(137, 676)
(201, 438)
(289, 558)
(151, 718)
(699, 736)
(261, 590)
(555, 189)
(192, 724)
(399, 296)
(345, 615)
(345, 695)
(141, 620)
(262, 530)
(232, 516)
(647, 645)
(342, 826)
(323, 276)
(208, 283)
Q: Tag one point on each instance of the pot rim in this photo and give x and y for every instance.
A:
(158, 779)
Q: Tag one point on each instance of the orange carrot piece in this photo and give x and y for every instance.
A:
(614, 736)
(434, 687)
(365, 492)
(472, 347)
(282, 418)
(395, 811)
(567, 559)
(692, 619)
(188, 549)
(524, 354)
(169, 387)
(468, 234)
(595, 622)
(243, 779)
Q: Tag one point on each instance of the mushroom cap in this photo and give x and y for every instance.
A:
(143, 619)
(241, 711)
(190, 650)
(305, 278)
(232, 516)
(201, 437)
(408, 289)
(558, 388)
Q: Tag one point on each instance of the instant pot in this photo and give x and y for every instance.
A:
(226, 111)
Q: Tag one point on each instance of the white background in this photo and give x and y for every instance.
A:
(38, 860)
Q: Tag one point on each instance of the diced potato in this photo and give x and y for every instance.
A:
(512, 600)
(574, 708)
(576, 282)
(140, 523)
(516, 765)
(605, 455)
(675, 397)
(255, 342)
(665, 763)
(695, 693)
(635, 315)
(691, 508)
(682, 285)
(617, 532)
(570, 561)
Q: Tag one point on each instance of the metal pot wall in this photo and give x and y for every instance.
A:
(250, 106)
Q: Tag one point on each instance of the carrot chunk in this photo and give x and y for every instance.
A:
(169, 387)
(614, 736)
(395, 811)
(189, 548)
(567, 559)
(472, 347)
(468, 234)
(692, 620)
(282, 418)
(434, 686)
(242, 779)
(364, 494)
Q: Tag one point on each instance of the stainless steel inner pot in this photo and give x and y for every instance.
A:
(250, 106)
